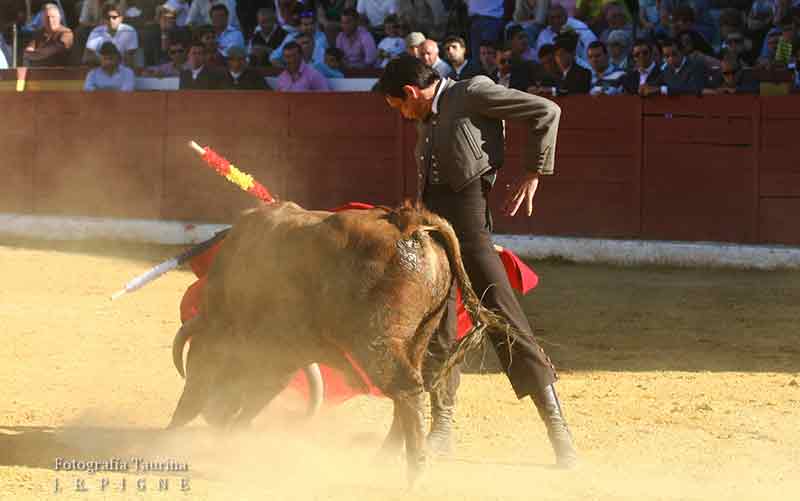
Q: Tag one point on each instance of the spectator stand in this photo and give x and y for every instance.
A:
(72, 79)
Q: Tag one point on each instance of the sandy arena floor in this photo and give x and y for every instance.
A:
(678, 384)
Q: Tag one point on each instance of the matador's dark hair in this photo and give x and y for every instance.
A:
(405, 70)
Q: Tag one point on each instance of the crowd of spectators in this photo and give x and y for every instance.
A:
(548, 47)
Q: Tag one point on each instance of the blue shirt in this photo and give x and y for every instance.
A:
(122, 80)
(488, 8)
(231, 37)
(320, 46)
(327, 71)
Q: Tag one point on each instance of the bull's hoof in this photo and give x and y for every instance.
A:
(440, 444)
(415, 476)
(387, 456)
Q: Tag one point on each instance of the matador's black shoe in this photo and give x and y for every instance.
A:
(560, 437)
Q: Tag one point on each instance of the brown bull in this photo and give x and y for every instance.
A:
(290, 287)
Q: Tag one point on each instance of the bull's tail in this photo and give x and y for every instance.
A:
(484, 320)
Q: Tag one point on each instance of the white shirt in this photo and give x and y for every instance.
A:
(196, 72)
(122, 80)
(435, 104)
(125, 38)
(585, 37)
(394, 46)
(504, 80)
(646, 73)
(376, 10)
(4, 53)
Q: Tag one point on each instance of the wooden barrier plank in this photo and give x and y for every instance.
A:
(586, 209)
(235, 113)
(102, 156)
(739, 105)
(778, 219)
(249, 129)
(317, 115)
(589, 127)
(341, 170)
(780, 106)
(195, 192)
(780, 132)
(779, 174)
(708, 198)
(699, 130)
(594, 169)
(18, 143)
(599, 112)
(569, 206)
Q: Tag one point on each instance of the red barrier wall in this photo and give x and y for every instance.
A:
(716, 168)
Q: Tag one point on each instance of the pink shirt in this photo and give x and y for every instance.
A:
(359, 49)
(307, 79)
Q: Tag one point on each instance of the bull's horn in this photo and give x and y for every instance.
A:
(316, 388)
(181, 337)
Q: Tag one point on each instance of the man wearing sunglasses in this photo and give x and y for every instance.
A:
(177, 62)
(645, 71)
(123, 36)
(460, 146)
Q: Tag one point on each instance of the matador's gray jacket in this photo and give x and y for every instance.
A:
(463, 138)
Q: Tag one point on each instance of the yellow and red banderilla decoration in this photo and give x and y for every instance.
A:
(229, 171)
(225, 169)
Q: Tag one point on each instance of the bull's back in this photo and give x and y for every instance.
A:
(304, 268)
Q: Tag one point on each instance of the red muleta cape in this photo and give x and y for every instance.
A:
(337, 389)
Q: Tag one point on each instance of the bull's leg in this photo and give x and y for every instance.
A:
(258, 394)
(410, 407)
(394, 440)
(198, 383)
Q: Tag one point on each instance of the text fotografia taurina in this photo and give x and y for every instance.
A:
(95, 481)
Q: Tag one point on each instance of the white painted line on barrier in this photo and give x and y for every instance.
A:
(653, 252)
(93, 228)
(582, 250)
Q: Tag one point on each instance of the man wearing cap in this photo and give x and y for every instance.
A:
(110, 75)
(238, 76)
(413, 42)
(619, 46)
(460, 146)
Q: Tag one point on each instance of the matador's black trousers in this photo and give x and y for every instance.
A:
(528, 368)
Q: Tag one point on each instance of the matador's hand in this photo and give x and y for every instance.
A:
(522, 190)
